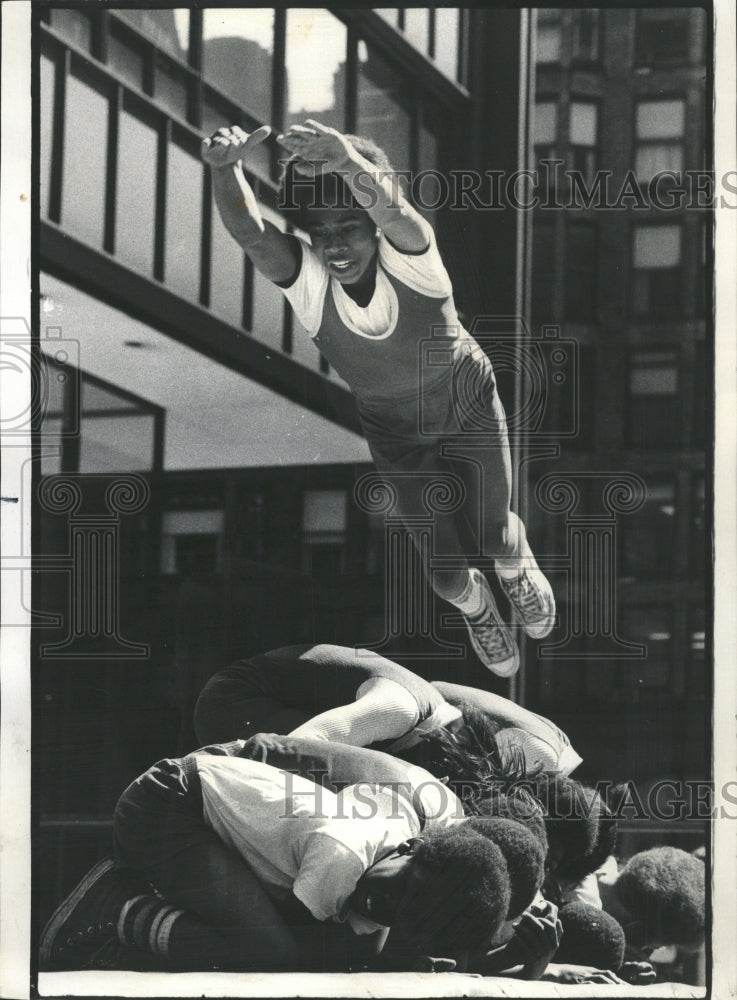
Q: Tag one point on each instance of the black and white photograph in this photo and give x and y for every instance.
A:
(367, 599)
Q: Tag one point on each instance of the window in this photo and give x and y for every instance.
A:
(696, 653)
(659, 129)
(548, 36)
(585, 33)
(190, 541)
(545, 132)
(662, 37)
(74, 25)
(656, 274)
(315, 65)
(543, 272)
(703, 400)
(648, 535)
(448, 38)
(169, 29)
(83, 194)
(582, 137)
(653, 627)
(383, 106)
(654, 410)
(242, 38)
(700, 549)
(581, 271)
(324, 514)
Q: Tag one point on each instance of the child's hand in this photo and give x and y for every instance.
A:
(229, 145)
(638, 973)
(538, 935)
(318, 149)
(581, 974)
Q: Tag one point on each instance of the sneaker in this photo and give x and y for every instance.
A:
(491, 638)
(86, 920)
(531, 595)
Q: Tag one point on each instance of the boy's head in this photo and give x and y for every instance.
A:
(342, 233)
(448, 891)
(590, 937)
(578, 824)
(524, 853)
(662, 893)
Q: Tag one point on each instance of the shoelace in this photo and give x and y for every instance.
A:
(491, 637)
(526, 596)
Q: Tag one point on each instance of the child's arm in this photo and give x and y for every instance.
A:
(328, 150)
(336, 763)
(275, 254)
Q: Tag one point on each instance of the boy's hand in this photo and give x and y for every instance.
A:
(538, 935)
(318, 148)
(581, 974)
(229, 145)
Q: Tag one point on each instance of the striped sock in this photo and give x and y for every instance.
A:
(146, 922)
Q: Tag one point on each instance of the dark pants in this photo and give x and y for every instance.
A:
(230, 921)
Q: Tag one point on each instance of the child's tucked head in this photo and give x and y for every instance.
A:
(590, 937)
(662, 890)
(524, 852)
(449, 892)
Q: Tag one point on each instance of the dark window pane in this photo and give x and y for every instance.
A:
(243, 38)
(169, 29)
(315, 64)
(649, 534)
(581, 261)
(700, 545)
(543, 272)
(74, 25)
(703, 396)
(662, 38)
(577, 398)
(171, 88)
(383, 113)
(653, 627)
(126, 59)
(654, 410)
(586, 34)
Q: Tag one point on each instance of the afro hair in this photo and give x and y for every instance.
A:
(664, 888)
(520, 807)
(590, 937)
(462, 896)
(297, 194)
(524, 854)
(573, 820)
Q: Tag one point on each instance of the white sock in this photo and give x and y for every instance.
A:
(512, 565)
(471, 602)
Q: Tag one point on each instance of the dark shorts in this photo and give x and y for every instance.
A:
(406, 436)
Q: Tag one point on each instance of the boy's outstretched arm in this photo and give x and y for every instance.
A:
(275, 254)
(336, 763)
(329, 151)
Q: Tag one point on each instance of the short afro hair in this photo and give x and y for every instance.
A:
(298, 193)
(516, 806)
(524, 854)
(462, 897)
(590, 937)
(664, 888)
(573, 820)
